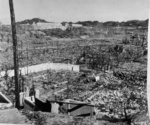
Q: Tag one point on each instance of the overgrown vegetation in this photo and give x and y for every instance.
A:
(68, 33)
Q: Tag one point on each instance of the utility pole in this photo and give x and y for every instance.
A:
(148, 72)
(15, 52)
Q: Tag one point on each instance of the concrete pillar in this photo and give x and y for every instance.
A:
(21, 98)
(37, 93)
(54, 108)
(32, 98)
(97, 78)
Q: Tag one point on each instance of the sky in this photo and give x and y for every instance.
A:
(76, 10)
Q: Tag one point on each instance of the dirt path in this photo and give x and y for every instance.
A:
(12, 116)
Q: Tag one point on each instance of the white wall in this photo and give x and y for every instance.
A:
(49, 26)
(44, 66)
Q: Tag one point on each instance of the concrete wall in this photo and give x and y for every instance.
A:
(61, 66)
(4, 101)
(77, 25)
(80, 110)
(29, 103)
(42, 67)
(42, 106)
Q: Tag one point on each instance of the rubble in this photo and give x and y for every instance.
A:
(106, 76)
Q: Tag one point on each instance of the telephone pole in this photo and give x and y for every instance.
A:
(148, 72)
(15, 52)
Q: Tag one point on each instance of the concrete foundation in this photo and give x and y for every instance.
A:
(4, 101)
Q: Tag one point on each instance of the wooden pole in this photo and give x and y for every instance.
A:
(148, 71)
(15, 52)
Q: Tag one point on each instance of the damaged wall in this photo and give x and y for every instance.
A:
(42, 67)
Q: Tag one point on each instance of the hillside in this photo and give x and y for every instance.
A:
(31, 21)
(143, 23)
(134, 23)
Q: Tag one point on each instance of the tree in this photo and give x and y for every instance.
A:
(116, 54)
(125, 41)
(63, 23)
(132, 53)
(95, 59)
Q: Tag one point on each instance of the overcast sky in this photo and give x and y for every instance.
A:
(76, 10)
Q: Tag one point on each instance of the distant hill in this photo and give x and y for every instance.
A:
(88, 23)
(135, 23)
(31, 21)
(143, 23)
